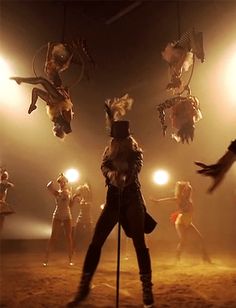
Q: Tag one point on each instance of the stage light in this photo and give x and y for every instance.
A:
(160, 177)
(72, 175)
(229, 77)
(5, 71)
(223, 78)
(10, 92)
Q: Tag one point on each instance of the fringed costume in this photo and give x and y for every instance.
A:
(5, 207)
(58, 102)
(184, 113)
(185, 108)
(61, 215)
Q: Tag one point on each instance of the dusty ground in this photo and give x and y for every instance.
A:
(26, 283)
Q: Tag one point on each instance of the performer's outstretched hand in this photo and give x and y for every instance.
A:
(218, 170)
(17, 79)
(153, 200)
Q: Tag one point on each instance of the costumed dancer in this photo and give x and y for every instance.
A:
(61, 215)
(185, 108)
(121, 163)
(59, 105)
(5, 208)
(182, 218)
(83, 223)
(218, 170)
(59, 57)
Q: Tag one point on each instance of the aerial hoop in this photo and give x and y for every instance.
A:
(35, 56)
(81, 75)
(186, 87)
(73, 83)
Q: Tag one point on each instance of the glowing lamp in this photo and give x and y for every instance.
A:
(160, 177)
(72, 175)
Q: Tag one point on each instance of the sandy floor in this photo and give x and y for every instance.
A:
(26, 283)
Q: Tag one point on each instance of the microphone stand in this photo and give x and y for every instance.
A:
(119, 243)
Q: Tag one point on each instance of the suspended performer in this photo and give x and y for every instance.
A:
(182, 218)
(5, 208)
(58, 102)
(122, 161)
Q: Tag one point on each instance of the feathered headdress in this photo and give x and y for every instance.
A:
(117, 108)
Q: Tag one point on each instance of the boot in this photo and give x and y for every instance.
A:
(144, 263)
(83, 290)
(90, 265)
(148, 300)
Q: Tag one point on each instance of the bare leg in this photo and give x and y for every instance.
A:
(56, 225)
(182, 234)
(68, 233)
(48, 86)
(35, 94)
(73, 234)
(205, 256)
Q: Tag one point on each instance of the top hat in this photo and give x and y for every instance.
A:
(120, 129)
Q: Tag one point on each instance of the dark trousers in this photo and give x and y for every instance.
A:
(128, 204)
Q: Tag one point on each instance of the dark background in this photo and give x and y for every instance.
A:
(128, 59)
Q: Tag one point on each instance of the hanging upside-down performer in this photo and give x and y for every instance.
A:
(218, 170)
(57, 98)
(61, 215)
(122, 161)
(180, 57)
(182, 218)
(5, 208)
(185, 109)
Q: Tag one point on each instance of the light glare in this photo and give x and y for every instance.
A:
(230, 77)
(72, 175)
(160, 177)
(10, 92)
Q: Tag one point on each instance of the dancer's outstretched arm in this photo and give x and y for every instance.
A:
(162, 199)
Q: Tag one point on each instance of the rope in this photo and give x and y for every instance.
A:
(64, 23)
(178, 19)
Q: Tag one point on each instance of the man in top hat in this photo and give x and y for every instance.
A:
(121, 163)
